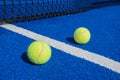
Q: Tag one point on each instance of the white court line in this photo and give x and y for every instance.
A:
(89, 56)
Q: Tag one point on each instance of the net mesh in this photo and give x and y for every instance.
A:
(22, 10)
(25, 10)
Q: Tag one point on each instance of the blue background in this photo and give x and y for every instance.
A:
(104, 25)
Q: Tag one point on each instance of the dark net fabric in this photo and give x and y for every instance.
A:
(25, 10)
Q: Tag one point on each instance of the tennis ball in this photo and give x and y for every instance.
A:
(82, 35)
(39, 52)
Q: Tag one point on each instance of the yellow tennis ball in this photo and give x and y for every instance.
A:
(39, 52)
(82, 35)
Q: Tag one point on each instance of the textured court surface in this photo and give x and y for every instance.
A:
(104, 24)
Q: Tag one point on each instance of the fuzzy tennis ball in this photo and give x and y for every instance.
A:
(39, 52)
(82, 35)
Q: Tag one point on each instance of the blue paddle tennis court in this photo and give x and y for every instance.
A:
(97, 60)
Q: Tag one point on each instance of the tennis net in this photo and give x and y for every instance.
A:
(25, 10)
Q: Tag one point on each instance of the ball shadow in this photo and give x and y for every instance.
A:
(71, 40)
(25, 58)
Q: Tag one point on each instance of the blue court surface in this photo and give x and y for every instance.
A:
(102, 62)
